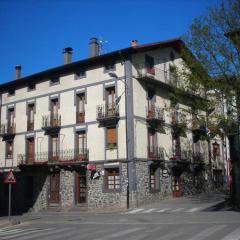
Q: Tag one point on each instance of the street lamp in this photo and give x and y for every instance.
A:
(114, 75)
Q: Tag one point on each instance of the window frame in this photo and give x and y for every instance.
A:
(30, 107)
(11, 92)
(7, 155)
(54, 81)
(114, 145)
(29, 89)
(115, 179)
(155, 177)
(80, 74)
(107, 67)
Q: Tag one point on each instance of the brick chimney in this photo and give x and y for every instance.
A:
(134, 43)
(18, 69)
(94, 47)
(67, 55)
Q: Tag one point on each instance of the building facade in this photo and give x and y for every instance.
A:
(104, 132)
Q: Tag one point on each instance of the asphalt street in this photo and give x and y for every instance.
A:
(181, 219)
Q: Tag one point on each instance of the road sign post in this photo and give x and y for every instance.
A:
(9, 179)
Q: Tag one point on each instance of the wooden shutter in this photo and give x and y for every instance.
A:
(111, 136)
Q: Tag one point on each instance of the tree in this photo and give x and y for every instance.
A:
(214, 61)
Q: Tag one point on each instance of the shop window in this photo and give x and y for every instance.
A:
(112, 179)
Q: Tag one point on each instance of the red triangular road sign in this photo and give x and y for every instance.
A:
(10, 178)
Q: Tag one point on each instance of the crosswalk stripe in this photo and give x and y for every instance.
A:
(136, 210)
(235, 235)
(207, 232)
(24, 232)
(177, 210)
(163, 210)
(193, 210)
(149, 210)
(119, 234)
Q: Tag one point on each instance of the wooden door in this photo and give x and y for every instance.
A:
(54, 188)
(81, 188)
(177, 187)
(30, 150)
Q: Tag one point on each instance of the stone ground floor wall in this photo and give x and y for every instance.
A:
(32, 190)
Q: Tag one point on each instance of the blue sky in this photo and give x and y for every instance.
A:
(34, 32)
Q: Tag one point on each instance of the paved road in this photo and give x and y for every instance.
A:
(178, 219)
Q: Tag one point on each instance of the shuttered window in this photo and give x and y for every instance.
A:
(111, 137)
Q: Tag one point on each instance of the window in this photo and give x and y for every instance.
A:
(152, 143)
(80, 107)
(112, 179)
(216, 149)
(31, 86)
(111, 137)
(80, 74)
(30, 116)
(176, 148)
(9, 149)
(54, 147)
(149, 61)
(81, 144)
(11, 92)
(110, 98)
(154, 176)
(11, 116)
(54, 81)
(109, 67)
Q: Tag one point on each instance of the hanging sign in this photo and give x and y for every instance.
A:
(91, 167)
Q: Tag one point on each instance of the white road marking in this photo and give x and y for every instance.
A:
(149, 210)
(135, 211)
(177, 210)
(235, 235)
(171, 235)
(207, 232)
(119, 234)
(193, 210)
(163, 210)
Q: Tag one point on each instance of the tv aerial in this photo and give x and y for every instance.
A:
(102, 48)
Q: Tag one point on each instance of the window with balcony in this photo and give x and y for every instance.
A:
(81, 150)
(154, 178)
(112, 179)
(30, 150)
(54, 112)
(111, 137)
(9, 149)
(30, 116)
(149, 61)
(80, 108)
(54, 148)
(176, 148)
(152, 143)
(110, 98)
(11, 116)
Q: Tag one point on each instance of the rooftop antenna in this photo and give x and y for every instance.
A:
(102, 50)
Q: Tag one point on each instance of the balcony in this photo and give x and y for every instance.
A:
(80, 117)
(155, 153)
(199, 157)
(107, 115)
(155, 116)
(179, 124)
(8, 131)
(51, 124)
(60, 157)
(30, 126)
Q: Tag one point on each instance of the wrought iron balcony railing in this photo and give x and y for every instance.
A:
(64, 156)
(155, 113)
(8, 129)
(156, 153)
(181, 155)
(52, 120)
(107, 111)
(80, 117)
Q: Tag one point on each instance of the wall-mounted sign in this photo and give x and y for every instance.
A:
(91, 167)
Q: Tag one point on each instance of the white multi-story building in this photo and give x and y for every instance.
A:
(103, 131)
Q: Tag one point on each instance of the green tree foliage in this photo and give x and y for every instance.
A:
(214, 61)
